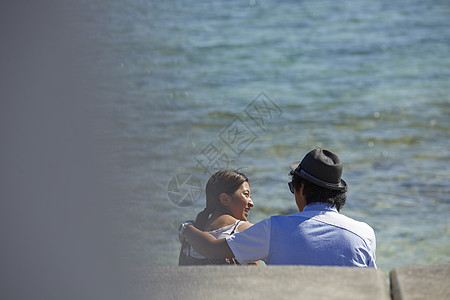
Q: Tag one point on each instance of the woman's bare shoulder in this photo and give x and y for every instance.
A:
(244, 225)
(221, 221)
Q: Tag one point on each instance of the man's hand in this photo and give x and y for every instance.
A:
(182, 229)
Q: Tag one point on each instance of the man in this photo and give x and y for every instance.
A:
(317, 235)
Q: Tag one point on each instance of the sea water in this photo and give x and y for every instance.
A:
(257, 84)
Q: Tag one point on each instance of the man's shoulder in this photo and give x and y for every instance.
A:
(284, 217)
(359, 228)
(355, 223)
(287, 220)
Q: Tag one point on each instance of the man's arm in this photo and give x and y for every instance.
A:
(206, 244)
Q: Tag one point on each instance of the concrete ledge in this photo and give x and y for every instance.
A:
(272, 282)
(421, 282)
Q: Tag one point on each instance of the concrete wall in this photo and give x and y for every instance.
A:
(272, 282)
(291, 282)
(420, 282)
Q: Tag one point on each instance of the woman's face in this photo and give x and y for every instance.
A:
(241, 202)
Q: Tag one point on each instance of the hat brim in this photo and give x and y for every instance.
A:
(294, 165)
(341, 186)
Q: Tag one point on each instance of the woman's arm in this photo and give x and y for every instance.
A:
(206, 244)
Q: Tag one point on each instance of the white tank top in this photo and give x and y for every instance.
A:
(220, 233)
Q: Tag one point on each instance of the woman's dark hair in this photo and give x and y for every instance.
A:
(314, 193)
(224, 181)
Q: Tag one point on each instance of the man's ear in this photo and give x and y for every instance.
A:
(301, 190)
(224, 199)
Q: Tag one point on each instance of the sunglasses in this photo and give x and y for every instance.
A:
(291, 187)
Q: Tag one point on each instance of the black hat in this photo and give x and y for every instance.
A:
(321, 167)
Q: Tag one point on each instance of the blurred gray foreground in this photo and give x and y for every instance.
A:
(55, 228)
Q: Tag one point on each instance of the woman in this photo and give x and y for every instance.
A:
(228, 204)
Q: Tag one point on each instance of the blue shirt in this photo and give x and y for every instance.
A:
(317, 236)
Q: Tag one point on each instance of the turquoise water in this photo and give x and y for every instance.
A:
(368, 80)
